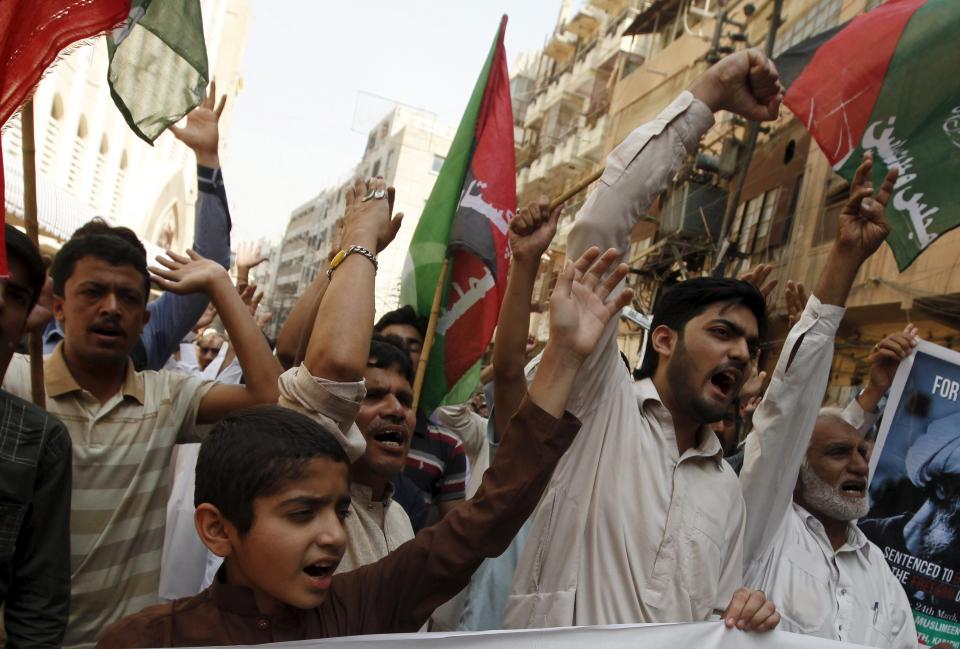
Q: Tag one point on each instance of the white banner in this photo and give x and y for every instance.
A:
(702, 635)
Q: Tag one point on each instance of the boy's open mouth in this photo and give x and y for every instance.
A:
(321, 569)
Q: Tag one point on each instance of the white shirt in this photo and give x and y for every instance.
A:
(851, 594)
(628, 529)
(374, 528)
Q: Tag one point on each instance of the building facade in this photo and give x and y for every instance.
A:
(407, 147)
(788, 202)
(89, 162)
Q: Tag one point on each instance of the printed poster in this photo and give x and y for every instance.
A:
(915, 489)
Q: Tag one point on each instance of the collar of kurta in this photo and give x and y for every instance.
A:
(856, 540)
(361, 493)
(241, 601)
(59, 381)
(707, 443)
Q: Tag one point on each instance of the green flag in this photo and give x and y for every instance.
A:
(158, 64)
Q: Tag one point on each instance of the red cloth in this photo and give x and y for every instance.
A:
(32, 34)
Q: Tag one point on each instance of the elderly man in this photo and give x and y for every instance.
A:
(923, 546)
(803, 496)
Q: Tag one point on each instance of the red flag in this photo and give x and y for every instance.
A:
(32, 34)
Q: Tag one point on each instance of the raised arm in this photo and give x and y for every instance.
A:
(193, 273)
(531, 231)
(399, 592)
(172, 316)
(340, 339)
(784, 421)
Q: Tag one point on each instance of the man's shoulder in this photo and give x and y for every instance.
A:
(32, 419)
(17, 378)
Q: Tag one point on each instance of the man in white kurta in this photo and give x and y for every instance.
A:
(630, 529)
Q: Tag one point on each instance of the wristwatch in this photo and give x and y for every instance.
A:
(343, 254)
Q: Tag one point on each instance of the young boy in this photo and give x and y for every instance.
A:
(273, 489)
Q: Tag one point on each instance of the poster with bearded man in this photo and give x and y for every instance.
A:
(915, 489)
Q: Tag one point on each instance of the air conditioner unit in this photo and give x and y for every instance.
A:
(693, 209)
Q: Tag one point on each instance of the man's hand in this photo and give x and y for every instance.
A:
(248, 256)
(862, 226)
(579, 309)
(746, 83)
(758, 277)
(191, 274)
(202, 133)
(371, 217)
(795, 297)
(532, 230)
(887, 355)
(206, 319)
(749, 610)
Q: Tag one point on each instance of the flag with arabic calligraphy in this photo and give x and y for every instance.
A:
(886, 82)
(466, 219)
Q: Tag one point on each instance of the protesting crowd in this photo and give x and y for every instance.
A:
(192, 482)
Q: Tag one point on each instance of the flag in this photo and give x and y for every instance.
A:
(885, 82)
(32, 34)
(466, 219)
(158, 64)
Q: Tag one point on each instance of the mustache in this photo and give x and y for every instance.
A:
(110, 324)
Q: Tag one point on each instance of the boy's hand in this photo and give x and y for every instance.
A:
(202, 132)
(579, 309)
(746, 83)
(532, 230)
(749, 610)
(862, 225)
(370, 217)
(187, 274)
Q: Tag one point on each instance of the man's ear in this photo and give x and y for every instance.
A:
(214, 529)
(664, 340)
(58, 307)
(146, 318)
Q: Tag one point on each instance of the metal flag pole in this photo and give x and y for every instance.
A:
(28, 143)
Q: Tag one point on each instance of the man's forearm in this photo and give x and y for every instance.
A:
(554, 380)
(510, 344)
(340, 341)
(260, 367)
(836, 278)
(294, 335)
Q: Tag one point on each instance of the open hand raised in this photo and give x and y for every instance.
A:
(202, 132)
(579, 308)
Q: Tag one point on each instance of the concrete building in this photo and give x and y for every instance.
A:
(786, 212)
(407, 147)
(89, 163)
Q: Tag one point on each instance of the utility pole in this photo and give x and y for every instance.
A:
(752, 132)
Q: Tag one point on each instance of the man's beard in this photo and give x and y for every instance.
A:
(680, 376)
(827, 499)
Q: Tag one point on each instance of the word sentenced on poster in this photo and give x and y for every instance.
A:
(702, 635)
(915, 489)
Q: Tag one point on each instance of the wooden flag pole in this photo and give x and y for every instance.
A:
(576, 189)
(32, 226)
(431, 331)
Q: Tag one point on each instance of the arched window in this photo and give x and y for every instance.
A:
(104, 145)
(123, 161)
(56, 109)
(82, 128)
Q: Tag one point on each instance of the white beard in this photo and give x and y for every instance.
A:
(829, 500)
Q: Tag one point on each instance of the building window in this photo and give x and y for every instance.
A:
(820, 17)
(376, 169)
(872, 4)
(56, 110)
(770, 200)
(437, 163)
(748, 230)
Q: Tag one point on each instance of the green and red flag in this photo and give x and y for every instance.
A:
(885, 82)
(158, 68)
(32, 35)
(466, 219)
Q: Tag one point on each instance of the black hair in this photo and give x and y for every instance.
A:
(253, 453)
(113, 249)
(405, 315)
(686, 300)
(97, 225)
(22, 248)
(388, 352)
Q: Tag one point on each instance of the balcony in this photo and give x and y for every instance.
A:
(561, 47)
(612, 7)
(585, 23)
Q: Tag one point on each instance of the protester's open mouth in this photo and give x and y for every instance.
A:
(725, 382)
(854, 488)
(321, 572)
(391, 437)
(107, 331)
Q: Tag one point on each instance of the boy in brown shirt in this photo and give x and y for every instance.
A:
(272, 491)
